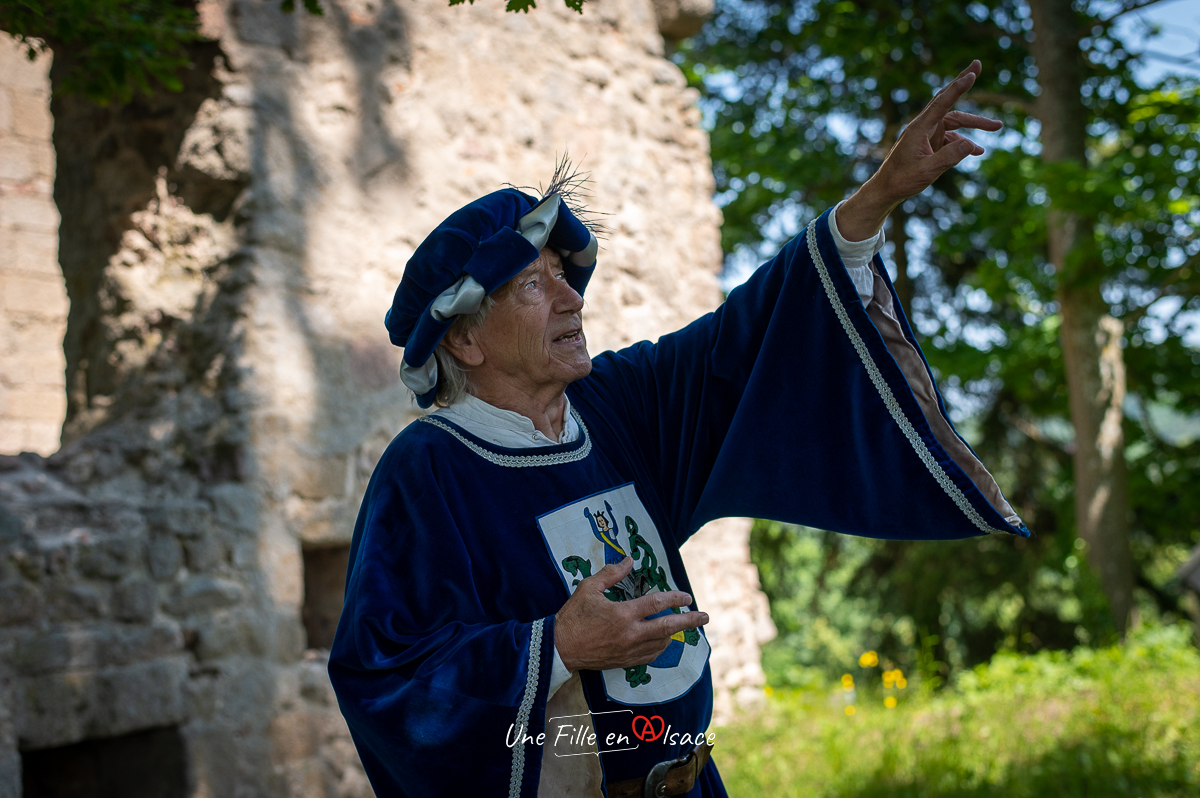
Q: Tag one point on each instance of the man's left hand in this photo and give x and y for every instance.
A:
(928, 147)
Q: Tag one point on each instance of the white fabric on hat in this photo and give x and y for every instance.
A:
(587, 256)
(465, 296)
(421, 379)
(536, 225)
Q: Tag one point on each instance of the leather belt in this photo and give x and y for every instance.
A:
(673, 777)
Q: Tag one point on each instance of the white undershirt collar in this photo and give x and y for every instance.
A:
(505, 427)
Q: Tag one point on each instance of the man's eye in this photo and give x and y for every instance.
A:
(531, 284)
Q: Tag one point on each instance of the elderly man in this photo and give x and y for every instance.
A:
(517, 618)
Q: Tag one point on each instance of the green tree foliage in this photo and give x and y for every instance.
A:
(113, 48)
(807, 94)
(803, 98)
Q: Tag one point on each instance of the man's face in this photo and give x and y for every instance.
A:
(534, 334)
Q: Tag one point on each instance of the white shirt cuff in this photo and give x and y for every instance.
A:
(857, 255)
(558, 675)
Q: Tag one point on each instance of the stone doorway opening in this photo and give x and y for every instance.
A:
(324, 590)
(145, 764)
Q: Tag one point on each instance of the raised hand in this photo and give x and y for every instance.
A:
(929, 146)
(593, 633)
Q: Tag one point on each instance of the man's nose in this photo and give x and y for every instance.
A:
(568, 299)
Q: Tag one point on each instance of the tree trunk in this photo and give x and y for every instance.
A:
(894, 124)
(904, 283)
(1091, 339)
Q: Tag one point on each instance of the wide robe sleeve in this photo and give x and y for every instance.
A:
(795, 403)
(426, 677)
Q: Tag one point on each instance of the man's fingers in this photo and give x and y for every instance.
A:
(950, 156)
(951, 138)
(945, 99)
(610, 574)
(671, 624)
(974, 67)
(654, 603)
(957, 120)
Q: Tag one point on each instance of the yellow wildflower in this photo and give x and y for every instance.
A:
(869, 659)
(890, 702)
(847, 681)
(850, 710)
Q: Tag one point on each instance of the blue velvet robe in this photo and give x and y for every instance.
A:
(784, 403)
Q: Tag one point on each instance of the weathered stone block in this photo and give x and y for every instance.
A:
(214, 756)
(19, 72)
(55, 709)
(39, 653)
(318, 477)
(12, 433)
(112, 558)
(202, 593)
(16, 161)
(6, 119)
(10, 525)
(43, 437)
(224, 634)
(294, 736)
(20, 602)
(245, 691)
(10, 774)
(166, 556)
(36, 253)
(236, 507)
(35, 213)
(184, 518)
(314, 682)
(124, 645)
(43, 297)
(31, 115)
(63, 708)
(135, 599)
(31, 403)
(205, 553)
(290, 638)
(140, 697)
(75, 602)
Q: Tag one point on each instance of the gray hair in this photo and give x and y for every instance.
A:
(454, 376)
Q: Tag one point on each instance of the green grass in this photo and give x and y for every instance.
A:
(1122, 721)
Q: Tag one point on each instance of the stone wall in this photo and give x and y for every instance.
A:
(33, 302)
(229, 252)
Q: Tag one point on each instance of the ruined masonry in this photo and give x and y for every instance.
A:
(33, 301)
(221, 379)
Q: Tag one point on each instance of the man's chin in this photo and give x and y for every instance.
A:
(581, 369)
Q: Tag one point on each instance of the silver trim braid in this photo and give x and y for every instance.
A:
(889, 399)
(531, 684)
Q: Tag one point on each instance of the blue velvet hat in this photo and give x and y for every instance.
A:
(475, 251)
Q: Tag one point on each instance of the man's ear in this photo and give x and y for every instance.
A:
(463, 345)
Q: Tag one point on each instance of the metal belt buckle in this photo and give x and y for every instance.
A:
(656, 780)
